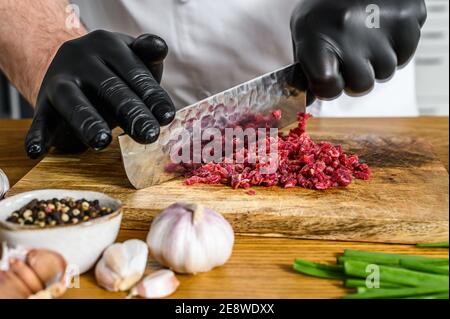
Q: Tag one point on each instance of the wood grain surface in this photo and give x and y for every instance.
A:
(13, 159)
(406, 201)
(259, 267)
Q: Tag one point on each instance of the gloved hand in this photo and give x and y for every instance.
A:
(340, 48)
(95, 83)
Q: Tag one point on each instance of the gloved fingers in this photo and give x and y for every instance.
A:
(131, 69)
(152, 50)
(78, 112)
(405, 41)
(359, 76)
(421, 11)
(156, 70)
(129, 110)
(128, 39)
(139, 79)
(384, 63)
(322, 69)
(65, 141)
(39, 137)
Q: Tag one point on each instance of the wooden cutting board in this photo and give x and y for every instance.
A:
(405, 202)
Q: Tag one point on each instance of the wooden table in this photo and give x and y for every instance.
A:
(259, 267)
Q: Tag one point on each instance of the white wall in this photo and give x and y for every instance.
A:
(432, 61)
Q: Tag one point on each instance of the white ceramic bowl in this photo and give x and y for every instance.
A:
(4, 184)
(81, 244)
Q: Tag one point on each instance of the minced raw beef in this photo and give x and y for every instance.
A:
(301, 162)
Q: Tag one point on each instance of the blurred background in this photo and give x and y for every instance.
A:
(431, 62)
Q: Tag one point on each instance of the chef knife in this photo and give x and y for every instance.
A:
(147, 165)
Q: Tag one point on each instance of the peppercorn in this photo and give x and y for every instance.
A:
(13, 219)
(27, 214)
(54, 212)
(85, 206)
(76, 212)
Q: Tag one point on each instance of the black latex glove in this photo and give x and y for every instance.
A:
(338, 52)
(95, 83)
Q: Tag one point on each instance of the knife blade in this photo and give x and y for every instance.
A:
(146, 165)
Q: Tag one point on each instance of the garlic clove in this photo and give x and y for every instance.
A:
(24, 272)
(44, 294)
(127, 258)
(122, 265)
(49, 266)
(54, 290)
(107, 278)
(115, 258)
(28, 276)
(12, 287)
(159, 284)
(112, 281)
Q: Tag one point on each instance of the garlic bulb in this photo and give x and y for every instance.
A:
(122, 265)
(159, 284)
(4, 184)
(35, 273)
(190, 238)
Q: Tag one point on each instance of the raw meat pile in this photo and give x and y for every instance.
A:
(301, 162)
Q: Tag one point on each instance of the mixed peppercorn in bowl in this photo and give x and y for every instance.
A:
(77, 224)
(54, 212)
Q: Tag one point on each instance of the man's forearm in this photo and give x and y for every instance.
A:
(31, 31)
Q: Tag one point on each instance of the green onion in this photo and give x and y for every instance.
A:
(424, 267)
(396, 275)
(399, 276)
(433, 245)
(396, 293)
(327, 267)
(355, 283)
(318, 270)
(388, 259)
(342, 259)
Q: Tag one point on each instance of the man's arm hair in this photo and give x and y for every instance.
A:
(31, 32)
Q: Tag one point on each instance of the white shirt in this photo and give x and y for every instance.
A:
(215, 45)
